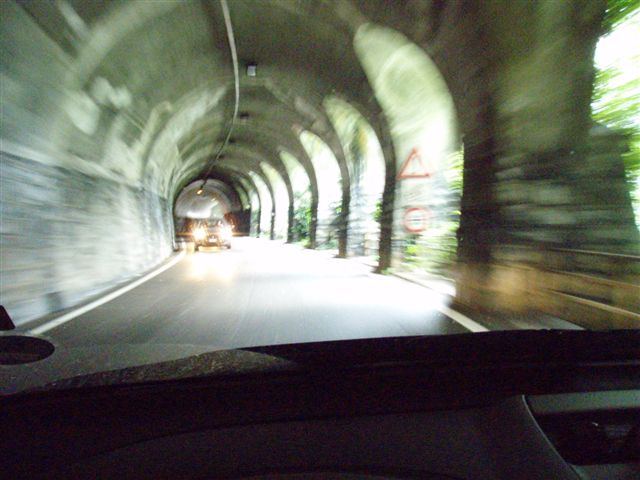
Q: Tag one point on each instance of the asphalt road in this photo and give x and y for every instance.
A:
(260, 293)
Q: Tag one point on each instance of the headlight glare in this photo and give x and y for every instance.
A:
(199, 234)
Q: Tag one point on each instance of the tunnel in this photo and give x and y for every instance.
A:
(448, 137)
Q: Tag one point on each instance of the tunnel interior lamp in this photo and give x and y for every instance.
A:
(252, 70)
(199, 192)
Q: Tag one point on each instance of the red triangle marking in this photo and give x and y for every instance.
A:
(414, 167)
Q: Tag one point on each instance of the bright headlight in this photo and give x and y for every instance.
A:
(199, 234)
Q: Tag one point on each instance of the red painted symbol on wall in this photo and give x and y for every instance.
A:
(416, 219)
(414, 167)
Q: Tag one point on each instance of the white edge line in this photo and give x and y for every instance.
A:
(462, 319)
(56, 322)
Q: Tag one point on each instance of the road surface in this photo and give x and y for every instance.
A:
(260, 293)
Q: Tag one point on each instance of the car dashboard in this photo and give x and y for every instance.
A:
(566, 417)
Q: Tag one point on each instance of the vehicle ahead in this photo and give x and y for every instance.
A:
(209, 233)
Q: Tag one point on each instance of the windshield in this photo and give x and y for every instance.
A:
(183, 177)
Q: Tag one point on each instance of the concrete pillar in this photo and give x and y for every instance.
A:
(385, 252)
(272, 234)
(313, 225)
(343, 220)
(541, 180)
(291, 220)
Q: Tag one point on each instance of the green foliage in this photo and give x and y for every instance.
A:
(616, 100)
(301, 218)
(454, 172)
(616, 94)
(377, 213)
(618, 11)
(336, 207)
(434, 252)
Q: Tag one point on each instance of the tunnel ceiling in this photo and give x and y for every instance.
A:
(170, 70)
(291, 49)
(149, 88)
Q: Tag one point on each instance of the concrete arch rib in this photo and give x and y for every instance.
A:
(253, 171)
(264, 153)
(424, 125)
(252, 158)
(366, 168)
(328, 134)
(300, 115)
(217, 199)
(291, 143)
(245, 180)
(269, 141)
(243, 216)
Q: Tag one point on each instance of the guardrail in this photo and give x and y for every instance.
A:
(596, 290)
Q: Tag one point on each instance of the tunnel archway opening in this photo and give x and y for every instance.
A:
(301, 187)
(210, 200)
(281, 202)
(266, 213)
(204, 200)
(615, 102)
(421, 114)
(366, 165)
(329, 180)
(255, 207)
(241, 190)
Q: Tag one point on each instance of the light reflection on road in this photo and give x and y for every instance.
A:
(262, 292)
(212, 265)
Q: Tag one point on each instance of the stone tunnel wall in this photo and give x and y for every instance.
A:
(71, 225)
(65, 235)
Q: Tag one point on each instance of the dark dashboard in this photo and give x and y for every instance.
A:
(535, 405)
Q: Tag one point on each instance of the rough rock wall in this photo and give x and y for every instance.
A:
(70, 224)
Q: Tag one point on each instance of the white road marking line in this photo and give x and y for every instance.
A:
(56, 322)
(462, 319)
